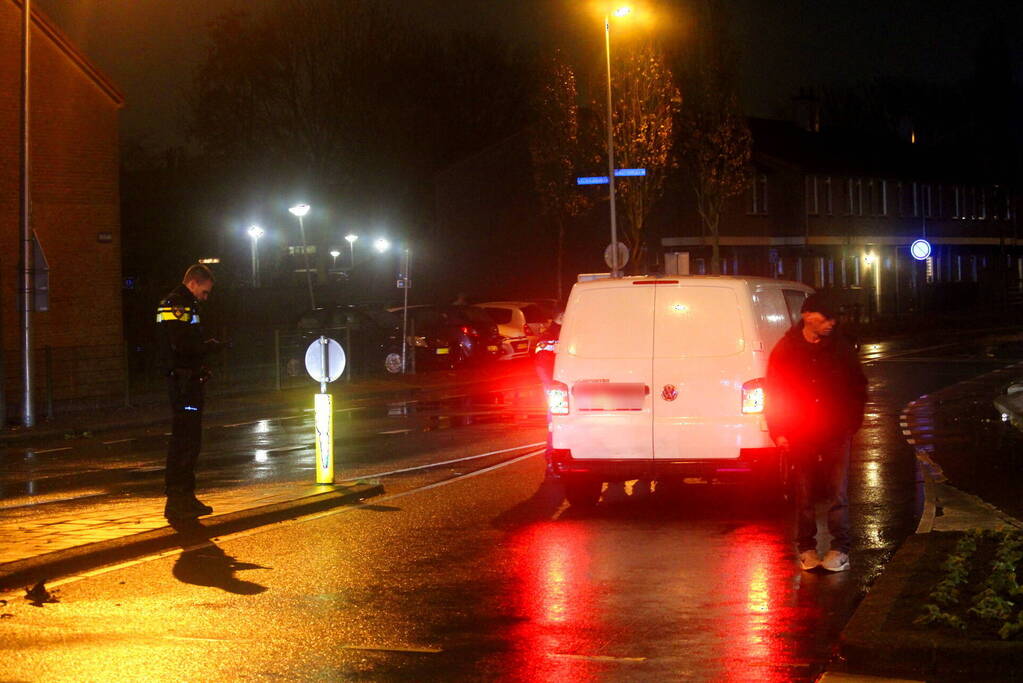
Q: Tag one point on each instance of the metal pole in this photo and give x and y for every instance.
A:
(324, 362)
(404, 315)
(277, 359)
(28, 416)
(305, 256)
(255, 264)
(611, 150)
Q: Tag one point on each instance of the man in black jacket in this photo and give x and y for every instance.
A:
(816, 391)
(183, 347)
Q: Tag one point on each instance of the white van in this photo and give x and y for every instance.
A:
(660, 377)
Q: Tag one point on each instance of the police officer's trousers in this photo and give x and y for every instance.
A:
(186, 399)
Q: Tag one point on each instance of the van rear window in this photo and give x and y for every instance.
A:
(697, 322)
(613, 322)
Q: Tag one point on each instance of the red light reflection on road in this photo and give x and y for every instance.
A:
(555, 596)
(757, 569)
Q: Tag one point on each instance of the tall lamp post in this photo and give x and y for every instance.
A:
(301, 210)
(350, 238)
(255, 232)
(620, 12)
(404, 282)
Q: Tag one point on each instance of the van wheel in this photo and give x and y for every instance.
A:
(582, 491)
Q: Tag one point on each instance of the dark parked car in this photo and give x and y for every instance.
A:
(450, 336)
(370, 337)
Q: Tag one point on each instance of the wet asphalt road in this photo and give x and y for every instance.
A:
(493, 575)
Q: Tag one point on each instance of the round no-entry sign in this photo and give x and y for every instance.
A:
(920, 249)
(324, 360)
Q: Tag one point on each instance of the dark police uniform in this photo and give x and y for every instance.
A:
(183, 348)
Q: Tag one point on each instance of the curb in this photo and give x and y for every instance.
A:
(49, 566)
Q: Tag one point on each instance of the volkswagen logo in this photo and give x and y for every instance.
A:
(669, 393)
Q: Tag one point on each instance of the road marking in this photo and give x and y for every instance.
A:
(110, 443)
(206, 640)
(287, 522)
(451, 462)
(396, 431)
(52, 450)
(598, 658)
(386, 648)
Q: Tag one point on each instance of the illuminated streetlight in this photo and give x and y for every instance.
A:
(350, 238)
(301, 210)
(255, 232)
(381, 245)
(334, 253)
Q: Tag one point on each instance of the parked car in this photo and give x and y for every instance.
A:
(520, 323)
(450, 335)
(370, 337)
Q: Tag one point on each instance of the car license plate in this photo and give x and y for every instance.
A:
(441, 352)
(492, 348)
(519, 346)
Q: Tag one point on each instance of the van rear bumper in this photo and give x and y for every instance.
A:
(750, 461)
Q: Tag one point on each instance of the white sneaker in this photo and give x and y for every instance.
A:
(809, 559)
(835, 561)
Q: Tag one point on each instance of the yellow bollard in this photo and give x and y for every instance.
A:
(324, 420)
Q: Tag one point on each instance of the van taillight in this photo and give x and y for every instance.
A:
(527, 330)
(557, 398)
(753, 396)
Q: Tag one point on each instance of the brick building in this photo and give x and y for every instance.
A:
(75, 215)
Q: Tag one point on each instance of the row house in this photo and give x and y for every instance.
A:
(843, 211)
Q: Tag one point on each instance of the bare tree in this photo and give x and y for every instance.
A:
(645, 102)
(555, 148)
(714, 138)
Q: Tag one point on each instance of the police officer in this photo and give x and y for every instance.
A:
(183, 348)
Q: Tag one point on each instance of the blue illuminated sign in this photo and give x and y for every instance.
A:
(602, 179)
(920, 250)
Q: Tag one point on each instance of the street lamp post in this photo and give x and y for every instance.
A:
(350, 238)
(301, 210)
(382, 245)
(255, 232)
(334, 253)
(620, 12)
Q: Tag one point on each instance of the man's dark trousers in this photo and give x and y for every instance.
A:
(186, 399)
(827, 464)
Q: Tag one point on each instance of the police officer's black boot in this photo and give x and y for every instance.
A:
(184, 505)
(198, 506)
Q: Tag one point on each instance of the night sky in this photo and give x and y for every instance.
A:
(150, 47)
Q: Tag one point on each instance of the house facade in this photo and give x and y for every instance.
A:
(74, 156)
(843, 211)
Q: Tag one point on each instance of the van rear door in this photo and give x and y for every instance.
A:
(700, 361)
(604, 358)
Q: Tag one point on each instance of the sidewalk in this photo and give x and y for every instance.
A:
(60, 543)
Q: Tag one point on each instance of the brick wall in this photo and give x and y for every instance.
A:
(75, 196)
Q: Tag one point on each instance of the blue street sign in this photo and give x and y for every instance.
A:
(602, 179)
(920, 249)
